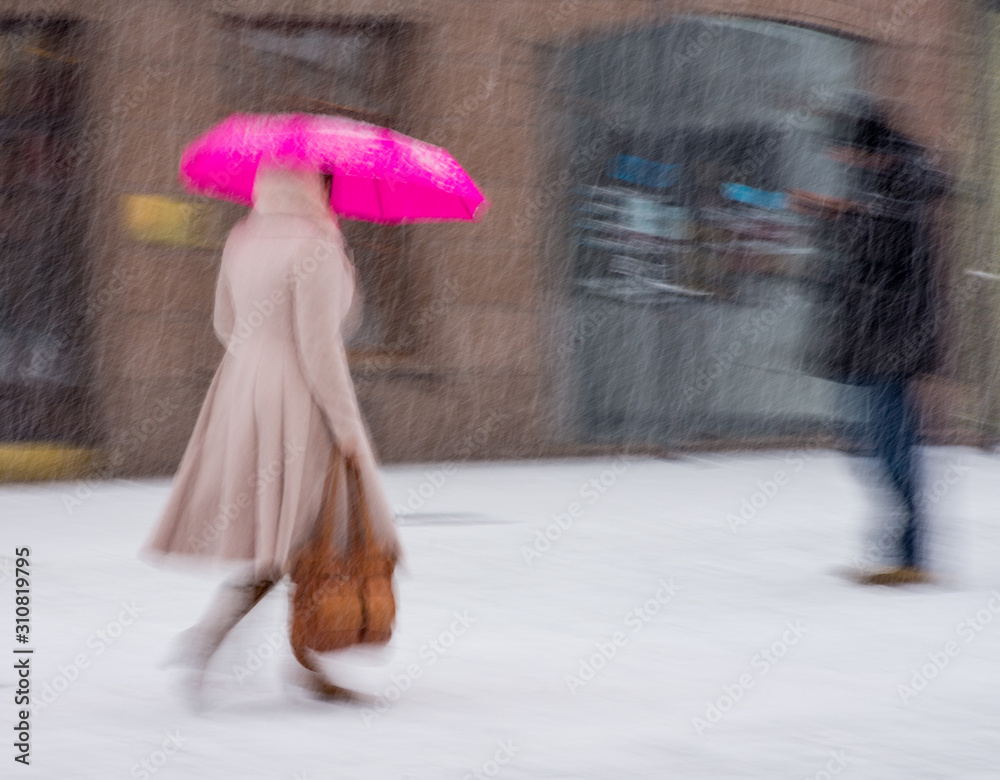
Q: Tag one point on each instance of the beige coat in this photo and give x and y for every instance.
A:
(249, 485)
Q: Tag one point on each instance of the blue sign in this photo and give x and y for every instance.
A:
(764, 199)
(639, 170)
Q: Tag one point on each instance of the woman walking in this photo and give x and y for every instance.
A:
(249, 487)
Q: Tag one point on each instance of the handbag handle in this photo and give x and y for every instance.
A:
(360, 534)
(325, 531)
(360, 521)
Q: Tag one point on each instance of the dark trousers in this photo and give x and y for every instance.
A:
(892, 431)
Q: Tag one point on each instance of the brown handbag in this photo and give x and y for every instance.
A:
(339, 601)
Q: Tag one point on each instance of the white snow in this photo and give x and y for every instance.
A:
(487, 640)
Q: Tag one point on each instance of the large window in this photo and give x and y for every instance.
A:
(352, 69)
(44, 371)
(688, 278)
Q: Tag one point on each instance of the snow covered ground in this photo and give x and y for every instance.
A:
(686, 621)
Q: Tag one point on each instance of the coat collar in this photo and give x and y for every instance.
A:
(285, 191)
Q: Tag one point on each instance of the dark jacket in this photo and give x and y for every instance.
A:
(879, 315)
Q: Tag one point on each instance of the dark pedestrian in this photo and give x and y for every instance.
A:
(881, 322)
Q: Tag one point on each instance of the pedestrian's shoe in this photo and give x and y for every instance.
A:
(310, 677)
(900, 575)
(321, 688)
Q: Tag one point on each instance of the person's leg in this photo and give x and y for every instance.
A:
(893, 426)
(912, 540)
(312, 677)
(233, 601)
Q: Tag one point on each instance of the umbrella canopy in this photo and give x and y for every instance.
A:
(379, 175)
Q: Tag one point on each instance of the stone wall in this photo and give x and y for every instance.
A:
(478, 379)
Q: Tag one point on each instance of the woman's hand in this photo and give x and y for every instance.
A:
(349, 440)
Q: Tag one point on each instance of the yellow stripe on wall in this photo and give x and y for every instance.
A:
(30, 462)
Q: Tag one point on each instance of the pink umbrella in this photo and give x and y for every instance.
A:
(379, 175)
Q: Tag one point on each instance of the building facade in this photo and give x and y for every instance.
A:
(635, 284)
